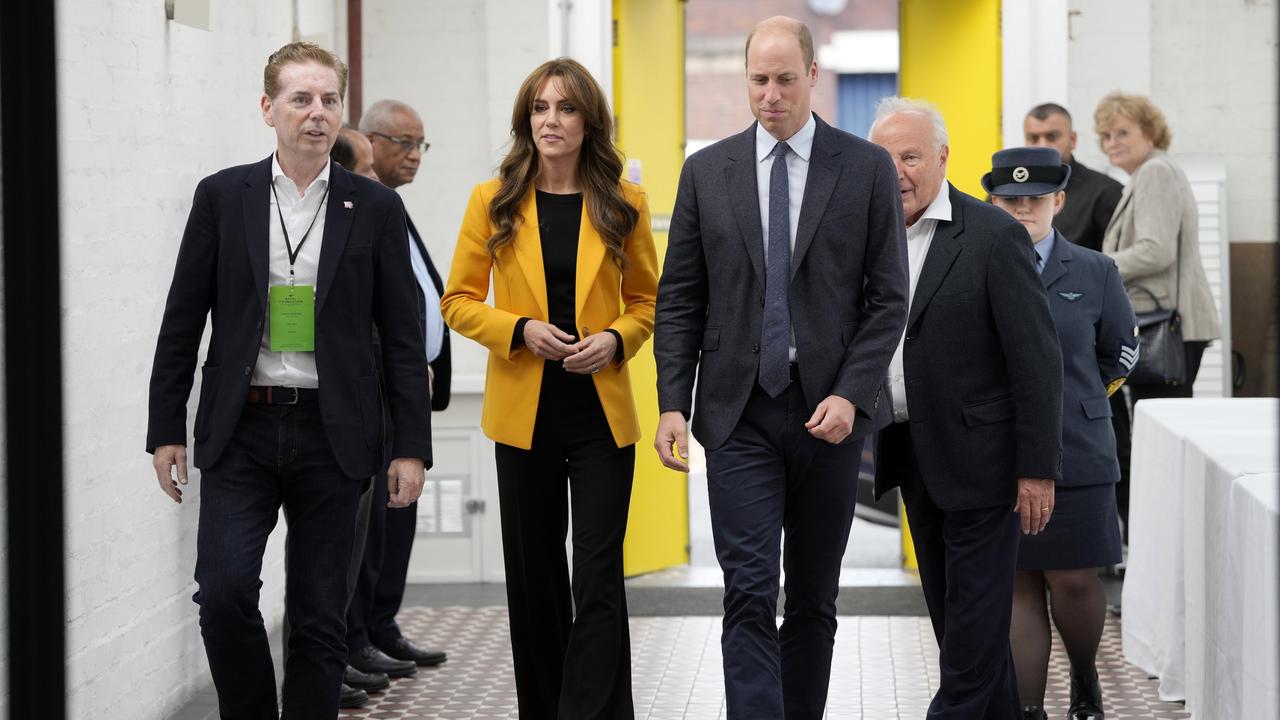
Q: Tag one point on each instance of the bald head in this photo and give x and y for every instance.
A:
(357, 155)
(784, 25)
(781, 74)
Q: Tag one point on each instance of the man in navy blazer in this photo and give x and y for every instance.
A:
(976, 393)
(784, 291)
(290, 409)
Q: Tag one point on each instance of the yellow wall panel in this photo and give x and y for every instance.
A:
(951, 56)
(648, 103)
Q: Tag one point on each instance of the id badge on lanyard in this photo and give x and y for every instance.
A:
(293, 307)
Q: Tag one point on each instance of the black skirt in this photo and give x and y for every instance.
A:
(1083, 532)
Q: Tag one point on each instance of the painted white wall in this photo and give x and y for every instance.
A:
(1034, 60)
(1108, 48)
(146, 109)
(589, 36)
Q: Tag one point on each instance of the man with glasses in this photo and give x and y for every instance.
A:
(374, 641)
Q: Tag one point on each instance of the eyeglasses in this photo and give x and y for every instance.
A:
(406, 145)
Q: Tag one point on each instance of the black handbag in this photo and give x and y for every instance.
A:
(1162, 358)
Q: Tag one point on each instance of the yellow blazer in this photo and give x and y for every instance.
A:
(604, 298)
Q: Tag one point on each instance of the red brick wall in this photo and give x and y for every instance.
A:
(716, 35)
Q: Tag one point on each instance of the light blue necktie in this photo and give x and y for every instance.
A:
(775, 331)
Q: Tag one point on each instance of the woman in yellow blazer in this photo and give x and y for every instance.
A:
(574, 277)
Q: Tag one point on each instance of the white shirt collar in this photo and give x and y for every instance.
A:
(801, 143)
(940, 208)
(277, 172)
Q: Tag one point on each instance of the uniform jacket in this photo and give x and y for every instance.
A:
(1095, 326)
(848, 290)
(1157, 214)
(363, 278)
(605, 298)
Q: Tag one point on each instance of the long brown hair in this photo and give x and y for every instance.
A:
(599, 164)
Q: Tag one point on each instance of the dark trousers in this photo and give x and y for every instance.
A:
(1194, 350)
(379, 590)
(771, 476)
(278, 455)
(353, 567)
(967, 560)
(570, 642)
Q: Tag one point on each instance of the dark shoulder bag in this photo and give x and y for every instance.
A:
(1162, 360)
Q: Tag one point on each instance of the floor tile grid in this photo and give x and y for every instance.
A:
(883, 667)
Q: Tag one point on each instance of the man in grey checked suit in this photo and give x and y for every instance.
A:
(784, 291)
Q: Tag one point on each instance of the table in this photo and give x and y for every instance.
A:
(1195, 568)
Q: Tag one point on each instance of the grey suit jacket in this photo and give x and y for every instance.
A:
(848, 290)
(982, 365)
(1095, 326)
(1157, 214)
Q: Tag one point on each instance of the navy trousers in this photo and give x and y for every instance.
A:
(771, 476)
(967, 560)
(278, 455)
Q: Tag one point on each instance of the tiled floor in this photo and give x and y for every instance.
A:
(884, 667)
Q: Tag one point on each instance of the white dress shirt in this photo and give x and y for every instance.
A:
(801, 145)
(295, 369)
(919, 238)
(433, 321)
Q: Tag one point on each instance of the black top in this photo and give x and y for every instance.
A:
(559, 223)
(559, 220)
(1091, 199)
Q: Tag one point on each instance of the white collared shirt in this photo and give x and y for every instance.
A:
(919, 238)
(295, 369)
(801, 144)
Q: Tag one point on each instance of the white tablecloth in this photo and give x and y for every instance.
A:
(1185, 599)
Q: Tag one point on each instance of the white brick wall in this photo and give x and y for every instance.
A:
(146, 109)
(1211, 67)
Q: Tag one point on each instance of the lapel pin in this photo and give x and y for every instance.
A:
(348, 204)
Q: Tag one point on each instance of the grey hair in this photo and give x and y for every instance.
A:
(378, 116)
(895, 104)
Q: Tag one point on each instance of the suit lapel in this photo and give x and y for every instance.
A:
(824, 170)
(1056, 266)
(590, 254)
(943, 251)
(528, 251)
(257, 208)
(337, 226)
(740, 176)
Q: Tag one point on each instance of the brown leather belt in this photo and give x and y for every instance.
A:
(279, 395)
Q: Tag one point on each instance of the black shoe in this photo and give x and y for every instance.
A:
(352, 697)
(369, 682)
(402, 649)
(1086, 697)
(370, 659)
(1034, 712)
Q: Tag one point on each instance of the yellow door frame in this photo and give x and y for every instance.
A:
(649, 108)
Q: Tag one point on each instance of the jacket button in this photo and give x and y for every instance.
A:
(755, 347)
(248, 370)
